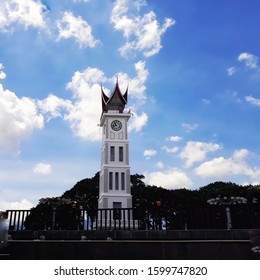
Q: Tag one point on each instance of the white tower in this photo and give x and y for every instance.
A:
(114, 186)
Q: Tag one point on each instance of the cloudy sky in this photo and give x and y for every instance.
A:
(193, 71)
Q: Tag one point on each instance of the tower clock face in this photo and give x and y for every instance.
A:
(116, 125)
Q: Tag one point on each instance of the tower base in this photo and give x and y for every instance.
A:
(116, 225)
(116, 219)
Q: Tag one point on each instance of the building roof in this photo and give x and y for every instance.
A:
(116, 101)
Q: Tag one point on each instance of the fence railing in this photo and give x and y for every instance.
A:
(16, 219)
(76, 219)
(180, 218)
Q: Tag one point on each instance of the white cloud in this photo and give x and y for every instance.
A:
(150, 153)
(253, 100)
(219, 167)
(139, 3)
(240, 154)
(78, 1)
(197, 151)
(143, 33)
(231, 71)
(226, 167)
(53, 106)
(172, 150)
(24, 204)
(75, 27)
(28, 13)
(234, 95)
(189, 127)
(250, 60)
(137, 84)
(2, 73)
(42, 168)
(169, 179)
(137, 122)
(18, 119)
(84, 113)
(174, 138)
(159, 164)
(205, 101)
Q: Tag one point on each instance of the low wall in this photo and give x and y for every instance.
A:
(126, 250)
(143, 245)
(237, 234)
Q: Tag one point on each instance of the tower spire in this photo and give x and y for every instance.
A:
(116, 101)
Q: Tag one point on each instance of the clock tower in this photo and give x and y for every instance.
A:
(114, 186)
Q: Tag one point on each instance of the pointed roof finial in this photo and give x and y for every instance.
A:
(116, 101)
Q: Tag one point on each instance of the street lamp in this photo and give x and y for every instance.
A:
(227, 201)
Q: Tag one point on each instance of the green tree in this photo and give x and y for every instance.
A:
(66, 208)
(153, 206)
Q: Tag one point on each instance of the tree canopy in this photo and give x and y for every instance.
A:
(147, 201)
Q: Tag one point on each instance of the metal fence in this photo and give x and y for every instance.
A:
(180, 218)
(75, 219)
(16, 219)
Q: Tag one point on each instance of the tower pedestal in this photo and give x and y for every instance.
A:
(116, 219)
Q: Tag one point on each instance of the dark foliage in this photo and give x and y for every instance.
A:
(152, 205)
(83, 195)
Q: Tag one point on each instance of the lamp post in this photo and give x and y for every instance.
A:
(227, 201)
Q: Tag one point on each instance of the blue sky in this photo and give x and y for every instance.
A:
(194, 76)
